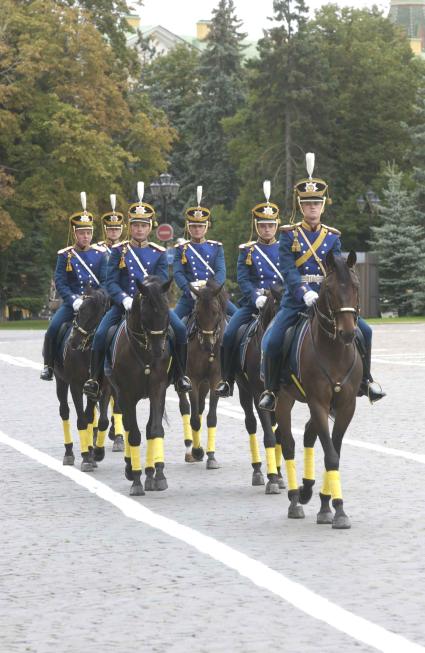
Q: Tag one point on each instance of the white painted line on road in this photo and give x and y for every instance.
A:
(19, 361)
(390, 361)
(258, 573)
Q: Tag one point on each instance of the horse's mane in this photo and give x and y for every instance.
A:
(208, 293)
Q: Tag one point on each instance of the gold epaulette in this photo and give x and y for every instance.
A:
(290, 227)
(332, 230)
(214, 242)
(123, 242)
(98, 247)
(158, 247)
(65, 249)
(185, 242)
(244, 245)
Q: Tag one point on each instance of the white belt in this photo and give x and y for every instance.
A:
(312, 278)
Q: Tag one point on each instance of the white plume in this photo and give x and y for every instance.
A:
(140, 190)
(267, 189)
(113, 199)
(199, 194)
(83, 198)
(309, 163)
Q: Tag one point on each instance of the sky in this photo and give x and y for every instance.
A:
(181, 16)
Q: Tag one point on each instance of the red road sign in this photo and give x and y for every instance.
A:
(165, 232)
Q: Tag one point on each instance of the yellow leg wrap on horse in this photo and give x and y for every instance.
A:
(291, 474)
(149, 453)
(136, 463)
(101, 435)
(325, 487)
(334, 484)
(255, 451)
(274, 427)
(95, 418)
(67, 437)
(158, 450)
(278, 451)
(126, 445)
(90, 435)
(118, 425)
(271, 460)
(309, 463)
(212, 430)
(83, 440)
(200, 420)
(196, 437)
(187, 431)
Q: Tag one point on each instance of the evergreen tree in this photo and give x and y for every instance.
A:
(221, 93)
(400, 245)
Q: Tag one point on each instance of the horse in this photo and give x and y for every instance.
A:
(203, 368)
(329, 375)
(250, 388)
(72, 371)
(139, 370)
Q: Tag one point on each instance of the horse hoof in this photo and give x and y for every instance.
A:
(341, 521)
(118, 443)
(128, 473)
(296, 512)
(68, 459)
(257, 478)
(281, 482)
(160, 484)
(325, 517)
(188, 458)
(137, 491)
(99, 453)
(198, 454)
(272, 488)
(150, 484)
(212, 464)
(86, 466)
(305, 494)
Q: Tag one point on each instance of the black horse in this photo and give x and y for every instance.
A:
(139, 370)
(330, 372)
(203, 368)
(250, 388)
(71, 371)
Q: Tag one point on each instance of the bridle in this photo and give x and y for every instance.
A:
(328, 321)
(87, 334)
(141, 341)
(208, 337)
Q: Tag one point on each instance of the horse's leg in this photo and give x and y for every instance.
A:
(283, 414)
(278, 453)
(77, 397)
(62, 395)
(310, 436)
(211, 424)
(150, 464)
(331, 488)
(103, 423)
(247, 402)
(272, 486)
(184, 407)
(157, 407)
(342, 420)
(89, 412)
(111, 434)
(195, 422)
(134, 440)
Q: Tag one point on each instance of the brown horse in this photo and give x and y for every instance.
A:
(330, 372)
(203, 369)
(71, 371)
(250, 388)
(139, 371)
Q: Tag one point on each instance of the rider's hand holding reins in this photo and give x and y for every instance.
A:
(127, 303)
(77, 303)
(260, 301)
(310, 297)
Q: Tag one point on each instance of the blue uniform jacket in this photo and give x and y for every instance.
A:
(323, 240)
(71, 284)
(194, 270)
(121, 281)
(255, 278)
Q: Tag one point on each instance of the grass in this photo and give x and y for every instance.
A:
(40, 325)
(396, 320)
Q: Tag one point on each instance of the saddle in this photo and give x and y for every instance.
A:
(244, 336)
(61, 340)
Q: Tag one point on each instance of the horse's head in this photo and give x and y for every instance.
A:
(149, 316)
(210, 313)
(338, 303)
(270, 308)
(88, 317)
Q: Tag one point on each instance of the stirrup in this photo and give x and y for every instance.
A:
(224, 389)
(373, 391)
(47, 373)
(183, 384)
(91, 389)
(267, 401)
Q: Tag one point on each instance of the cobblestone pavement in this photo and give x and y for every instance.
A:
(77, 575)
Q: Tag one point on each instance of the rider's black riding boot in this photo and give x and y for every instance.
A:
(182, 382)
(368, 387)
(225, 386)
(49, 359)
(272, 366)
(92, 386)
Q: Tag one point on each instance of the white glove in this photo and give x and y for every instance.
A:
(127, 303)
(310, 297)
(260, 301)
(77, 303)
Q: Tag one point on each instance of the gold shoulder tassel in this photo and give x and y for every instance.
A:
(122, 259)
(296, 247)
(68, 262)
(184, 258)
(248, 259)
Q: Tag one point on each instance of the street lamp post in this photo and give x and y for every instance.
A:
(369, 200)
(164, 190)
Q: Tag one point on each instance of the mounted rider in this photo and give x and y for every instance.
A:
(196, 260)
(133, 260)
(303, 247)
(258, 269)
(112, 226)
(77, 265)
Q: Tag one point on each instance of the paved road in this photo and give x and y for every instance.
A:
(77, 574)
